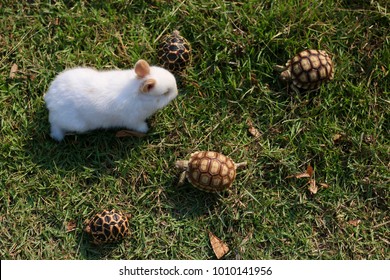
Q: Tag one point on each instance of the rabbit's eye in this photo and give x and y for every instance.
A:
(167, 92)
(149, 87)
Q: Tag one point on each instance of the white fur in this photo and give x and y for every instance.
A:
(84, 99)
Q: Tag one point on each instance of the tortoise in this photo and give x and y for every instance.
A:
(174, 52)
(209, 171)
(307, 70)
(107, 227)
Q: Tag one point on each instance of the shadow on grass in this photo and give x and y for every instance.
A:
(187, 202)
(90, 251)
(98, 149)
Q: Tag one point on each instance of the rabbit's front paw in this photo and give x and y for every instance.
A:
(57, 133)
(142, 127)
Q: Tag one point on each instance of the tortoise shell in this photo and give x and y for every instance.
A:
(309, 69)
(211, 171)
(174, 52)
(107, 227)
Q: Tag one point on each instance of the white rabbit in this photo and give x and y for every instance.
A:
(84, 99)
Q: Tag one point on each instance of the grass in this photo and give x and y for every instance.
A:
(342, 130)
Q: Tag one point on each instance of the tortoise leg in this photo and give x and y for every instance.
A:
(241, 164)
(294, 88)
(182, 179)
(279, 68)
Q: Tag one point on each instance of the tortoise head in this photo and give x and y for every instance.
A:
(182, 164)
(87, 229)
(285, 75)
(176, 33)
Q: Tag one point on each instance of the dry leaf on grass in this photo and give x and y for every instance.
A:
(325, 186)
(70, 226)
(339, 138)
(301, 175)
(253, 130)
(13, 71)
(219, 247)
(313, 186)
(307, 174)
(354, 222)
(310, 171)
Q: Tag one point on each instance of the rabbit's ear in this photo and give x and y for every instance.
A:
(147, 85)
(141, 68)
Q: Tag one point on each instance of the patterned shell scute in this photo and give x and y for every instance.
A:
(310, 68)
(211, 171)
(174, 52)
(108, 226)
